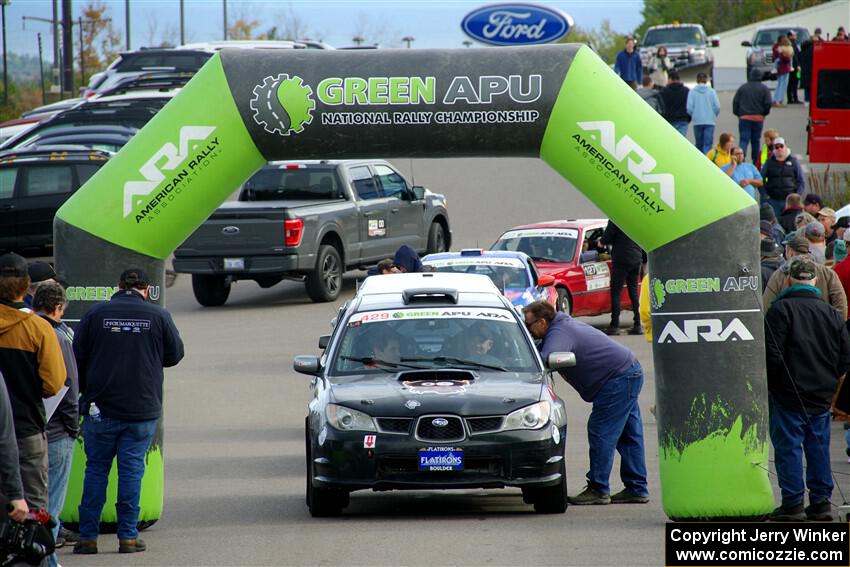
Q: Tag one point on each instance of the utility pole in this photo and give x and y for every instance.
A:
(5, 65)
(408, 40)
(224, 17)
(182, 25)
(127, 21)
(41, 71)
(82, 57)
(357, 40)
(67, 49)
(467, 43)
(55, 75)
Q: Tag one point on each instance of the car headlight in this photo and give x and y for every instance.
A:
(347, 419)
(534, 416)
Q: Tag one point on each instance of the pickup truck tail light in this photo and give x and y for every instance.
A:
(293, 231)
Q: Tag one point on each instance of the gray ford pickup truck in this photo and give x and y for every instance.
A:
(311, 221)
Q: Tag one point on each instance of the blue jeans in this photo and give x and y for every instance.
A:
(682, 127)
(106, 439)
(781, 87)
(703, 136)
(615, 424)
(59, 456)
(792, 434)
(778, 206)
(749, 132)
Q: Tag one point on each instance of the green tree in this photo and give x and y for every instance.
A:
(716, 16)
(605, 41)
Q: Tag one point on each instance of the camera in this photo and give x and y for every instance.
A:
(29, 541)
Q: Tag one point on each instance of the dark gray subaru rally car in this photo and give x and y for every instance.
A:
(431, 381)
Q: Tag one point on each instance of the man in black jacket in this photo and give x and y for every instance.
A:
(11, 488)
(808, 348)
(793, 79)
(675, 97)
(626, 258)
(771, 260)
(751, 104)
(121, 347)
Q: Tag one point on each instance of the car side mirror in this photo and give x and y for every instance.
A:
(307, 364)
(545, 280)
(418, 192)
(715, 42)
(324, 341)
(560, 360)
(746, 43)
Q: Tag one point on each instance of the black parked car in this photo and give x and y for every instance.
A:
(431, 381)
(34, 183)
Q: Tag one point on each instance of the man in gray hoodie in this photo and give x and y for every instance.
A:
(703, 107)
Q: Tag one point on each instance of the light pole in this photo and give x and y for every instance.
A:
(408, 39)
(127, 21)
(5, 66)
(224, 17)
(467, 43)
(182, 25)
(357, 40)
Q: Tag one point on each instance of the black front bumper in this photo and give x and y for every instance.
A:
(496, 460)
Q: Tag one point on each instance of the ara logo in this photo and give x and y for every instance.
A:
(283, 105)
(641, 167)
(708, 330)
(153, 172)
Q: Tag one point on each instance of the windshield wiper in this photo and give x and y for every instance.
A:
(542, 259)
(379, 362)
(461, 361)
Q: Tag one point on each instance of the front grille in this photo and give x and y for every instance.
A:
(394, 424)
(484, 424)
(452, 431)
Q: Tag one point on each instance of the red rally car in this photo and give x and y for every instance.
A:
(569, 250)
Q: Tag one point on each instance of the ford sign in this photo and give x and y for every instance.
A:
(516, 24)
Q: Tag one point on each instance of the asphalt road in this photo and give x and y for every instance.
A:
(234, 442)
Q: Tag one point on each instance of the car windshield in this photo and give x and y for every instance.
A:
(556, 245)
(665, 36)
(506, 273)
(292, 182)
(457, 337)
(766, 38)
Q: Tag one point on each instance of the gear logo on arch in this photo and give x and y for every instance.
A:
(283, 105)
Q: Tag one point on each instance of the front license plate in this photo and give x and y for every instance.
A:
(440, 459)
(234, 263)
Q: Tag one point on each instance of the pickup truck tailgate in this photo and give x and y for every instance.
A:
(237, 232)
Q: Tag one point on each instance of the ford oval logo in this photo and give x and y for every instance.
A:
(439, 422)
(230, 230)
(516, 24)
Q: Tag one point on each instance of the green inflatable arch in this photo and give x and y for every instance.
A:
(560, 103)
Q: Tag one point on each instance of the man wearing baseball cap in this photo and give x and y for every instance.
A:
(32, 367)
(782, 176)
(827, 281)
(812, 204)
(807, 348)
(826, 216)
(121, 347)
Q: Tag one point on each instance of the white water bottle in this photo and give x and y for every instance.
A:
(94, 411)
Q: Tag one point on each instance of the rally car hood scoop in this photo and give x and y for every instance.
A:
(462, 392)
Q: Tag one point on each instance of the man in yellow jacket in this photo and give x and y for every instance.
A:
(33, 368)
